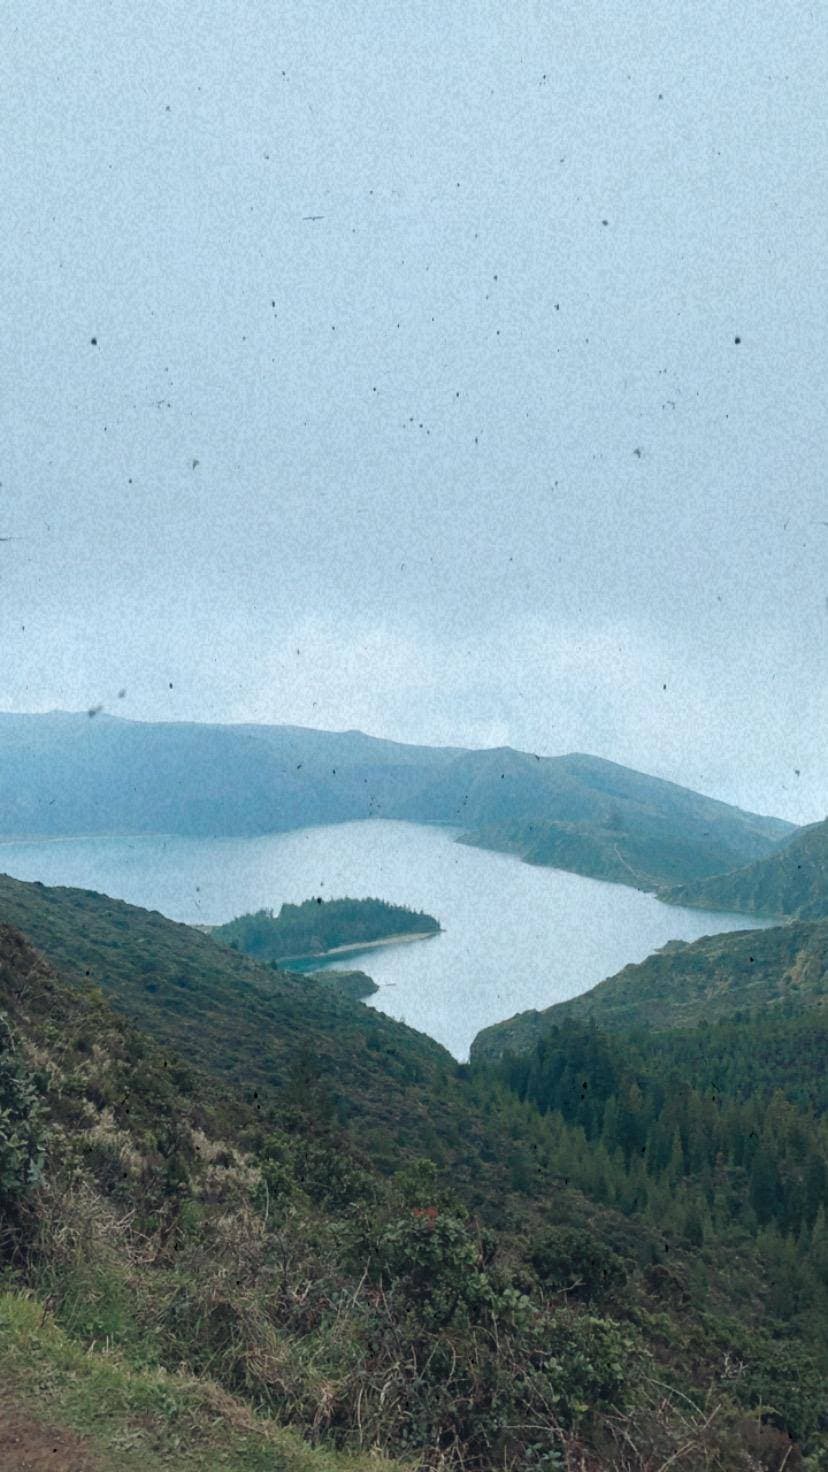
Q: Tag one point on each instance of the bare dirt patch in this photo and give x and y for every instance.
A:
(27, 1445)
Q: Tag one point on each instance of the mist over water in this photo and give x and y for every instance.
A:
(514, 936)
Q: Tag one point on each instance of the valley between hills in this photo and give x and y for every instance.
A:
(248, 1221)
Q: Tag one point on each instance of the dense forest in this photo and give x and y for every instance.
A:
(273, 1227)
(318, 925)
(698, 1129)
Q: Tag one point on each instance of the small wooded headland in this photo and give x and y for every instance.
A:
(317, 927)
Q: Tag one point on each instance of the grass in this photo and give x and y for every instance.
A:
(142, 1420)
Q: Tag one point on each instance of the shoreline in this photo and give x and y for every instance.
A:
(7, 840)
(312, 958)
(364, 945)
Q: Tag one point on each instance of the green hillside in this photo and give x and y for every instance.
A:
(210, 1262)
(685, 984)
(72, 1406)
(792, 881)
(647, 854)
(593, 817)
(353, 984)
(239, 1019)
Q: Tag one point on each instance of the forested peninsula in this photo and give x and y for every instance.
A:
(318, 927)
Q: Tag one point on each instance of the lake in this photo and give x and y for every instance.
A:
(514, 936)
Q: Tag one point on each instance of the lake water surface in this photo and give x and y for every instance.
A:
(514, 936)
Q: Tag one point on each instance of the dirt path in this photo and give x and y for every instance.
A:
(622, 860)
(27, 1445)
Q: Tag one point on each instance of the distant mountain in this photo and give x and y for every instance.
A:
(69, 774)
(792, 881)
(64, 773)
(684, 984)
(598, 818)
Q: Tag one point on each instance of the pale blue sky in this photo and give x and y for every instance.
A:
(490, 469)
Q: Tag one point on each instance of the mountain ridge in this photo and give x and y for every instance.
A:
(72, 774)
(790, 882)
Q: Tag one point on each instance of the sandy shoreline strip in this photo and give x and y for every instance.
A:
(349, 949)
(370, 945)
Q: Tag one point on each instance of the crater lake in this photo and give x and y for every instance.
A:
(514, 936)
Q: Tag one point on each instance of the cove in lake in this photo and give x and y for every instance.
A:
(513, 936)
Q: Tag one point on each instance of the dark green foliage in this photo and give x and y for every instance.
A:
(22, 1124)
(279, 1262)
(727, 1148)
(788, 1382)
(352, 984)
(578, 1264)
(316, 926)
(335, 1221)
(224, 1013)
(433, 1263)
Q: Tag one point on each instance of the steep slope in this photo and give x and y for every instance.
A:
(62, 774)
(645, 853)
(233, 1017)
(684, 984)
(597, 818)
(130, 1141)
(187, 1277)
(792, 881)
(66, 1406)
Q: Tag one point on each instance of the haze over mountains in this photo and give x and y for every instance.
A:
(792, 881)
(65, 773)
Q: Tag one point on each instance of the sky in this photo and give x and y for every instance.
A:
(454, 371)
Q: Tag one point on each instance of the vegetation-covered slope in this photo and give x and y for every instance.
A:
(67, 1405)
(132, 1155)
(255, 1026)
(592, 816)
(687, 983)
(792, 881)
(353, 984)
(669, 1109)
(240, 1019)
(646, 854)
(65, 773)
(202, 1232)
(317, 925)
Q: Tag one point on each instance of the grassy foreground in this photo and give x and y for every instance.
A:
(87, 1409)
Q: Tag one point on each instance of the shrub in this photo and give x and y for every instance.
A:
(431, 1260)
(22, 1125)
(577, 1263)
(589, 1363)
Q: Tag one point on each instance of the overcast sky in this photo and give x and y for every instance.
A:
(450, 370)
